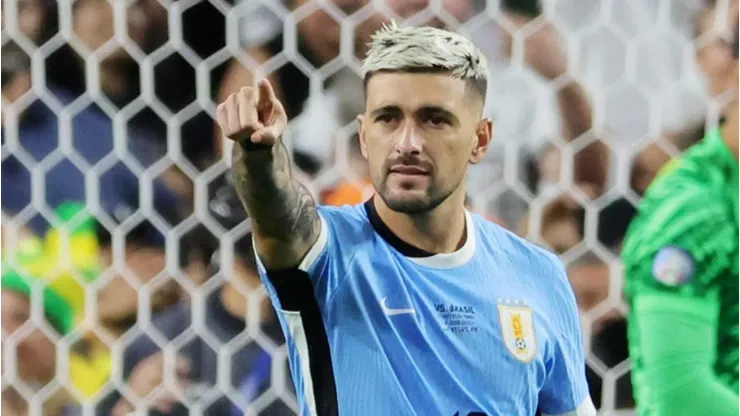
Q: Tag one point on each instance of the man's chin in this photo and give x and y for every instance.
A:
(408, 202)
(409, 207)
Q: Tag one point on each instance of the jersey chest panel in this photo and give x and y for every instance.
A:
(467, 340)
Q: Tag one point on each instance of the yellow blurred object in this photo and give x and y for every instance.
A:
(89, 373)
(68, 274)
(67, 259)
(82, 245)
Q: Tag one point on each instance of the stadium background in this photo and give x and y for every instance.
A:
(108, 111)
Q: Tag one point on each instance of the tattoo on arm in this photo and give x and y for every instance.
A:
(281, 208)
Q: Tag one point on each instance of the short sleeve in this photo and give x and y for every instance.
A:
(565, 391)
(323, 268)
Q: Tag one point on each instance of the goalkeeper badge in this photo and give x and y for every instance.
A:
(673, 266)
(517, 331)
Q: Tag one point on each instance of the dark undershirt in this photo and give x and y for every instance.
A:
(396, 242)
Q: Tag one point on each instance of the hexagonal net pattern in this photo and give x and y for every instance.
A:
(131, 288)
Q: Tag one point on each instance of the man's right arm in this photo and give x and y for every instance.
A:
(285, 221)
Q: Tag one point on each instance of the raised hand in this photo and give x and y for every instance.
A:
(252, 114)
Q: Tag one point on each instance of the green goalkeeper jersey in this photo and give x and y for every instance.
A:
(680, 260)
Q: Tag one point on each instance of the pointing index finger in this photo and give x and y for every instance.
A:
(266, 93)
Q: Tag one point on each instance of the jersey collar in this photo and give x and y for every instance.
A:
(419, 256)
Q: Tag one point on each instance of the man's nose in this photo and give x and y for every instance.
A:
(409, 142)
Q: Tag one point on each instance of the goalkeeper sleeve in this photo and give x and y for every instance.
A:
(678, 348)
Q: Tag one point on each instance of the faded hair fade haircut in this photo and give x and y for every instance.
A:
(426, 49)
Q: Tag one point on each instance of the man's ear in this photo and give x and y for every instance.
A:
(483, 135)
(361, 133)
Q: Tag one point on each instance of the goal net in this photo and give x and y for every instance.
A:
(119, 219)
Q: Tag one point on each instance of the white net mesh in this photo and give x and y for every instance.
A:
(112, 104)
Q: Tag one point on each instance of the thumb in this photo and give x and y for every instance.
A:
(267, 135)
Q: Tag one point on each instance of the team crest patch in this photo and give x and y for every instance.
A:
(673, 266)
(517, 331)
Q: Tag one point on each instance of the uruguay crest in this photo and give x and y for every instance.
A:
(517, 331)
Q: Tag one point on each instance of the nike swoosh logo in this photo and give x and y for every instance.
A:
(390, 312)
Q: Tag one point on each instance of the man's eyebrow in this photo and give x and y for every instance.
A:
(438, 111)
(385, 109)
(428, 108)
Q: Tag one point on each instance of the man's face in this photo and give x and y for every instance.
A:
(715, 27)
(418, 133)
(35, 352)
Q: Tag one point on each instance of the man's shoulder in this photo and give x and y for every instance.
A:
(540, 271)
(691, 176)
(345, 218)
(500, 241)
(674, 195)
(525, 259)
(672, 210)
(347, 212)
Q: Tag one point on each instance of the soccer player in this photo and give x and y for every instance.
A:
(407, 304)
(681, 269)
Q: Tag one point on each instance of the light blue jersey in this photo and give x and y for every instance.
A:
(374, 327)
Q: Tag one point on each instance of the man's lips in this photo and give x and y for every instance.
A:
(408, 170)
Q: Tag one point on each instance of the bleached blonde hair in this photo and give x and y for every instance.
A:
(417, 49)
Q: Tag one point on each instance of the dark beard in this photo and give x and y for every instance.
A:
(416, 206)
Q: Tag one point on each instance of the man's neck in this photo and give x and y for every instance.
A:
(730, 127)
(441, 230)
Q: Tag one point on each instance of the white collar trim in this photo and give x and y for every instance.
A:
(454, 259)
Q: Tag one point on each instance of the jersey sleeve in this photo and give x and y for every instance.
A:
(565, 391)
(673, 285)
(323, 268)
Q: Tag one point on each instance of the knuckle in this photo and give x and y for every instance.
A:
(246, 92)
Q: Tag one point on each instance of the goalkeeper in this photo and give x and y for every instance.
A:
(681, 268)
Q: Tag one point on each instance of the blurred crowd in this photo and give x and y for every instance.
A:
(118, 207)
